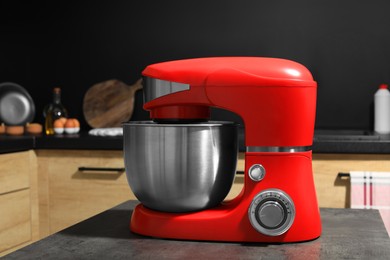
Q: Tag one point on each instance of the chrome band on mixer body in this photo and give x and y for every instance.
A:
(278, 149)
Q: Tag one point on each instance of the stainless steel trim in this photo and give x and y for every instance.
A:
(278, 149)
(155, 88)
(160, 125)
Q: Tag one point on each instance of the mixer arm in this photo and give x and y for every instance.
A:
(276, 98)
(277, 111)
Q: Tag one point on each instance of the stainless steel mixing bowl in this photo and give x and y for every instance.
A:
(180, 167)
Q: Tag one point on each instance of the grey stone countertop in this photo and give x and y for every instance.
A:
(347, 234)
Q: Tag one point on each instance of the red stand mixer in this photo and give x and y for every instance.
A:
(276, 99)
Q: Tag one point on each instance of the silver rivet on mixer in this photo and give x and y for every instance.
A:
(257, 172)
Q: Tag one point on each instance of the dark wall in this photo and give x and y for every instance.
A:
(345, 44)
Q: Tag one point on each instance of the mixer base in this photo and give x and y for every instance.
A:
(222, 223)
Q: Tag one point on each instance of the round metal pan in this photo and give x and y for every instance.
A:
(16, 105)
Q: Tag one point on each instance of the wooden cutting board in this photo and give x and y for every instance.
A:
(109, 103)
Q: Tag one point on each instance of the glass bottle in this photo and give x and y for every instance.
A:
(53, 111)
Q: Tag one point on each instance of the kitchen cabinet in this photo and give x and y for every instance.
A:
(18, 200)
(43, 191)
(68, 195)
(332, 191)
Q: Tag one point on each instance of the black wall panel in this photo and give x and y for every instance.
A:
(75, 44)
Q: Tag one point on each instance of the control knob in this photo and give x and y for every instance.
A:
(272, 212)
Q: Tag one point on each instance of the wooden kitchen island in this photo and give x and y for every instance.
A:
(347, 234)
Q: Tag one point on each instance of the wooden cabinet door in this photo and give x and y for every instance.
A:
(14, 171)
(73, 195)
(15, 219)
(18, 200)
(334, 192)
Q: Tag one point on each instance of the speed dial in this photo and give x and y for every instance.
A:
(272, 212)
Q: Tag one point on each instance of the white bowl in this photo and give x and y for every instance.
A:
(58, 130)
(72, 130)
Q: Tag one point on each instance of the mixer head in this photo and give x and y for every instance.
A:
(276, 98)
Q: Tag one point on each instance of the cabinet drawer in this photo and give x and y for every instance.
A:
(15, 221)
(73, 194)
(14, 171)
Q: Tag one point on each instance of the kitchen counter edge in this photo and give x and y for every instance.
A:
(84, 141)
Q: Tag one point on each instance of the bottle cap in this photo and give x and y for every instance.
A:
(383, 86)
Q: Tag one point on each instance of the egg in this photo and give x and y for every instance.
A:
(34, 128)
(76, 123)
(72, 126)
(2, 129)
(14, 130)
(59, 125)
(63, 119)
(60, 122)
(69, 123)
